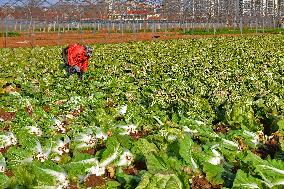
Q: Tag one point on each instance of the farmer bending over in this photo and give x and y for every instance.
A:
(76, 58)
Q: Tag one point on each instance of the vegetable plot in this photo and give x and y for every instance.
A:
(206, 113)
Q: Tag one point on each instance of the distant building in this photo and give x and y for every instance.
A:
(132, 10)
(189, 10)
(266, 7)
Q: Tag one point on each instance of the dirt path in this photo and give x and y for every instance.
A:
(51, 39)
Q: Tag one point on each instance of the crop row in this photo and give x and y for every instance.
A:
(168, 114)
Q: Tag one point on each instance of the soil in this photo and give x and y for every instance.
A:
(93, 181)
(7, 116)
(29, 110)
(8, 88)
(3, 150)
(93, 151)
(87, 37)
(270, 147)
(268, 128)
(46, 108)
(221, 128)
(73, 185)
(77, 112)
(138, 134)
(135, 168)
(140, 165)
(199, 182)
(90, 151)
(6, 128)
(130, 171)
(9, 173)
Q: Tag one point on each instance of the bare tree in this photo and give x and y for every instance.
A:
(172, 9)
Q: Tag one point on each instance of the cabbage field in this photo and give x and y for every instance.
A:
(196, 113)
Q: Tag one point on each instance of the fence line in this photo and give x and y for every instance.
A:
(111, 26)
(64, 32)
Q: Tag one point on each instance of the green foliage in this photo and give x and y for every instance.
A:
(10, 34)
(156, 181)
(4, 181)
(213, 173)
(233, 31)
(209, 108)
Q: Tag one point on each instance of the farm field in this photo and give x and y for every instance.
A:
(188, 113)
(88, 37)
